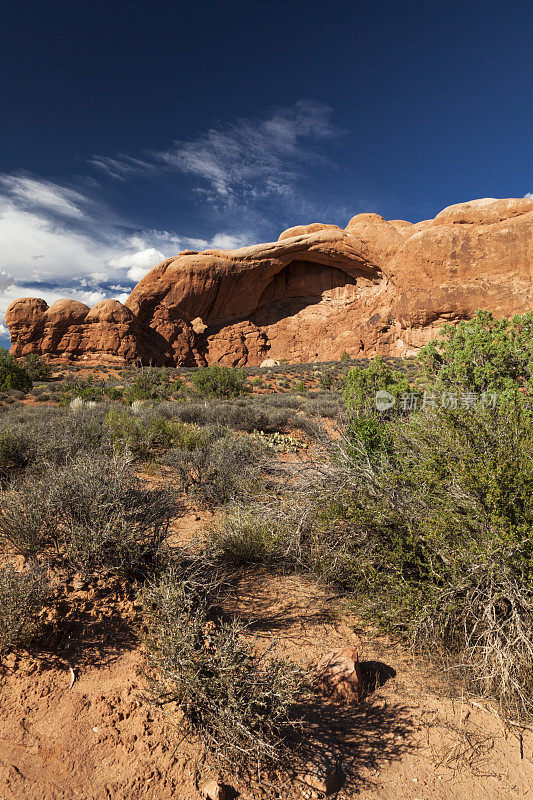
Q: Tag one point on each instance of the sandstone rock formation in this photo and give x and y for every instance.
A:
(373, 287)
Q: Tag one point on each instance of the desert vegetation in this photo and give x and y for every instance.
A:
(418, 513)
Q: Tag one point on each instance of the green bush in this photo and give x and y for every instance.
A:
(115, 392)
(37, 367)
(12, 374)
(216, 381)
(142, 432)
(150, 383)
(432, 540)
(86, 390)
(240, 703)
(22, 595)
(326, 379)
(483, 354)
(362, 384)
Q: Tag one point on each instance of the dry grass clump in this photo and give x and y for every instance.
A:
(91, 514)
(54, 435)
(141, 429)
(242, 414)
(484, 628)
(240, 703)
(225, 467)
(22, 594)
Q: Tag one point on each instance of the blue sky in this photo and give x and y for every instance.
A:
(131, 130)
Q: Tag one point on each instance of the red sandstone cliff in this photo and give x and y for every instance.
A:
(374, 287)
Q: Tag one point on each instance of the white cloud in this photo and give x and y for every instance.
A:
(220, 241)
(122, 167)
(43, 194)
(529, 196)
(245, 161)
(225, 241)
(65, 250)
(254, 158)
(138, 264)
(6, 280)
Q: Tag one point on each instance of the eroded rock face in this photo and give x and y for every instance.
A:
(376, 287)
(68, 330)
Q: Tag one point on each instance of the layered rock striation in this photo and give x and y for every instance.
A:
(374, 287)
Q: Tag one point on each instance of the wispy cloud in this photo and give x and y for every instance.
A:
(529, 196)
(246, 161)
(49, 197)
(254, 159)
(122, 167)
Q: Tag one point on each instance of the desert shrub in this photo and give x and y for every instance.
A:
(141, 432)
(115, 392)
(85, 390)
(363, 383)
(22, 595)
(345, 356)
(316, 527)
(285, 400)
(37, 367)
(150, 383)
(369, 435)
(483, 354)
(12, 374)
(326, 379)
(250, 536)
(15, 448)
(314, 404)
(54, 434)
(240, 703)
(217, 381)
(91, 514)
(241, 414)
(223, 469)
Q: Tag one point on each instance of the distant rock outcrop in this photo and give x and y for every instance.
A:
(373, 287)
